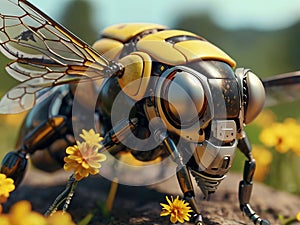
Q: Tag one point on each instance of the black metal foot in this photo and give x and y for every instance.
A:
(197, 219)
(253, 216)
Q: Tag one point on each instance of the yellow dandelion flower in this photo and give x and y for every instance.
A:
(298, 216)
(276, 136)
(293, 129)
(21, 214)
(177, 209)
(91, 137)
(84, 159)
(263, 158)
(6, 186)
(282, 136)
(4, 220)
(60, 218)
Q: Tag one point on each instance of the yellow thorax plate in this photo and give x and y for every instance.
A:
(197, 49)
(136, 77)
(180, 52)
(123, 32)
(108, 47)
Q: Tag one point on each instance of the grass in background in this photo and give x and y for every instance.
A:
(276, 151)
(9, 130)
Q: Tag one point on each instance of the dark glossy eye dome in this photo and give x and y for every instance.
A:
(183, 98)
(255, 97)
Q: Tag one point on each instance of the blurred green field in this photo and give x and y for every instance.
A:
(9, 124)
(278, 170)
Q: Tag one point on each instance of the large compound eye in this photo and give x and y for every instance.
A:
(183, 98)
(255, 93)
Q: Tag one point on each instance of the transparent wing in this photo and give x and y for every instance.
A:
(282, 88)
(45, 54)
(23, 97)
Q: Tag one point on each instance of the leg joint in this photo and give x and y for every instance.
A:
(245, 191)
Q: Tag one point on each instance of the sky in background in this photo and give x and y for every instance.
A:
(268, 14)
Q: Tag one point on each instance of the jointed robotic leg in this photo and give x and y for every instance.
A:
(183, 177)
(14, 163)
(245, 187)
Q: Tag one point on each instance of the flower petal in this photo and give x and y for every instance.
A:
(164, 213)
(177, 209)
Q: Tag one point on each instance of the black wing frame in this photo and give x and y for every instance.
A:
(44, 54)
(282, 88)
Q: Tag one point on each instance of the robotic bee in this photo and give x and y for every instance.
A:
(148, 90)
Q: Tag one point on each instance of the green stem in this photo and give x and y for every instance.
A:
(289, 221)
(86, 219)
(65, 196)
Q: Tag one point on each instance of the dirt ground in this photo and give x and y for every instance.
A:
(140, 205)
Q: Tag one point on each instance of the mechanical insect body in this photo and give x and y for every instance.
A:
(182, 92)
